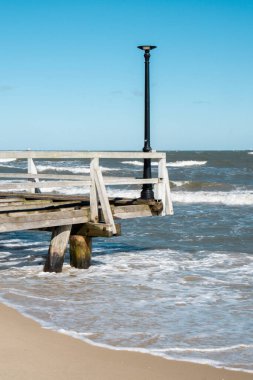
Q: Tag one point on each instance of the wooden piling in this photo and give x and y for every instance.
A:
(57, 248)
(80, 251)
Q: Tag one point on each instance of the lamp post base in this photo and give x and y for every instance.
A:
(147, 192)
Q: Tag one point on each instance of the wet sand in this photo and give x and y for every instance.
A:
(29, 352)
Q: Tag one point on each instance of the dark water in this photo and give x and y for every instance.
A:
(179, 286)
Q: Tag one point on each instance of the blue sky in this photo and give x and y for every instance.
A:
(71, 76)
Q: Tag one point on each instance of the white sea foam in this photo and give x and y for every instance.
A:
(7, 159)
(179, 183)
(141, 280)
(186, 163)
(11, 263)
(233, 198)
(19, 243)
(136, 163)
(3, 255)
(210, 350)
(72, 169)
(250, 152)
(171, 164)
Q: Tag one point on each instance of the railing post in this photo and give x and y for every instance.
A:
(168, 200)
(32, 170)
(159, 188)
(102, 195)
(93, 191)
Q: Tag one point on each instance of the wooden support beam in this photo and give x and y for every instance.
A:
(80, 251)
(95, 229)
(57, 248)
(131, 211)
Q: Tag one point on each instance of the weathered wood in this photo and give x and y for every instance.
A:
(41, 185)
(168, 206)
(57, 248)
(45, 176)
(54, 197)
(31, 216)
(7, 200)
(131, 211)
(26, 221)
(8, 227)
(76, 155)
(107, 213)
(34, 205)
(93, 192)
(33, 170)
(76, 217)
(95, 229)
(80, 251)
(77, 183)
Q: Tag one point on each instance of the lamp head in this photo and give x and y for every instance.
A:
(146, 48)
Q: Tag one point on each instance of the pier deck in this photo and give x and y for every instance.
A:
(75, 218)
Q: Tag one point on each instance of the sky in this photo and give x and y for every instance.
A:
(71, 76)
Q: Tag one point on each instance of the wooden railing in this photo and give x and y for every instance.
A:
(95, 180)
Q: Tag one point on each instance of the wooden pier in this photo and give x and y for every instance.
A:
(75, 219)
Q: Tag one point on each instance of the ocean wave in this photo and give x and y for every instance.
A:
(7, 159)
(179, 183)
(186, 163)
(210, 350)
(72, 169)
(171, 164)
(3, 255)
(232, 198)
(250, 152)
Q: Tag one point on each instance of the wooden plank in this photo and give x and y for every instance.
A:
(57, 248)
(51, 196)
(116, 181)
(131, 211)
(8, 227)
(45, 176)
(42, 185)
(80, 155)
(9, 200)
(46, 215)
(35, 205)
(3, 204)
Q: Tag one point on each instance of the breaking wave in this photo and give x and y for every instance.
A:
(233, 198)
(7, 159)
(72, 169)
(170, 164)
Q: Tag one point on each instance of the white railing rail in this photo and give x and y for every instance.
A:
(96, 181)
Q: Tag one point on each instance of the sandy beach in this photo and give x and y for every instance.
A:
(30, 352)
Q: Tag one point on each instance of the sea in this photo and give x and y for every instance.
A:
(178, 286)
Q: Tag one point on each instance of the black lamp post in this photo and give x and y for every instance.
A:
(147, 189)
